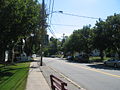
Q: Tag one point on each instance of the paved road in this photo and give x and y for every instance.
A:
(88, 76)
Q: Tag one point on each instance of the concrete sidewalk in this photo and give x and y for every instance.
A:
(36, 80)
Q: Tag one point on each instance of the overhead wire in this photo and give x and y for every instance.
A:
(51, 8)
(51, 12)
(80, 16)
(51, 31)
(65, 25)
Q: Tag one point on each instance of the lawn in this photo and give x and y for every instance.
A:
(97, 59)
(14, 77)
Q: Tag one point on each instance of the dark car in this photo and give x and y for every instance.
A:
(112, 62)
(52, 56)
(82, 58)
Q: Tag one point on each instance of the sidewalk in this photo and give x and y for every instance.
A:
(36, 80)
(47, 71)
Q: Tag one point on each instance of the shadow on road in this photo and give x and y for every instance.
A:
(97, 65)
(101, 66)
(73, 61)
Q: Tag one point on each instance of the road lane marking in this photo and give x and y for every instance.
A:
(100, 71)
(74, 83)
(91, 69)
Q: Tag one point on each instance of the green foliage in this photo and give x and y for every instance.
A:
(79, 41)
(105, 36)
(100, 37)
(51, 49)
(98, 59)
(18, 19)
(67, 46)
(113, 23)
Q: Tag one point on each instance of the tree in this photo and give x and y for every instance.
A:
(52, 48)
(80, 41)
(113, 26)
(68, 46)
(18, 19)
(100, 40)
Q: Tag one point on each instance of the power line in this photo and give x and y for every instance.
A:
(49, 5)
(49, 8)
(65, 25)
(52, 32)
(80, 16)
(52, 11)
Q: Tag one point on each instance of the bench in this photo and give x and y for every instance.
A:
(57, 84)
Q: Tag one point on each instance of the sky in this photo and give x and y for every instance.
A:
(91, 8)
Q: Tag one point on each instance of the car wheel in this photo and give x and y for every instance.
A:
(115, 65)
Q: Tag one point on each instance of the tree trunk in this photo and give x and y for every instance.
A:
(10, 56)
(13, 55)
(72, 54)
(101, 54)
(2, 56)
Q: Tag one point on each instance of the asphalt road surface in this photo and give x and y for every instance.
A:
(87, 76)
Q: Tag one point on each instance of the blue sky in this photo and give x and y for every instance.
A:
(91, 8)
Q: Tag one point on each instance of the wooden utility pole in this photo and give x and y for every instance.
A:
(42, 30)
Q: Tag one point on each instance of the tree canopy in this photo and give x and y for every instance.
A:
(105, 35)
(18, 19)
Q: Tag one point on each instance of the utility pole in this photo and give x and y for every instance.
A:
(63, 40)
(42, 32)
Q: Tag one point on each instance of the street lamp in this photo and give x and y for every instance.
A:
(55, 12)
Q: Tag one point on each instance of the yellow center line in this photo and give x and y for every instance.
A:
(100, 71)
(95, 70)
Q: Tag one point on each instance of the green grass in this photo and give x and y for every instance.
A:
(14, 77)
(97, 59)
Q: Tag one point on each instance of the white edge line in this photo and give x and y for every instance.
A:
(68, 79)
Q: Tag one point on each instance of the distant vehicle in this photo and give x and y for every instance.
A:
(69, 58)
(82, 58)
(52, 56)
(34, 55)
(118, 63)
(112, 62)
(37, 55)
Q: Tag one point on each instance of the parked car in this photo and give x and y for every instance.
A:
(118, 63)
(53, 56)
(82, 58)
(112, 62)
(69, 58)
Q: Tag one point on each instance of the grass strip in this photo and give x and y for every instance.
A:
(18, 76)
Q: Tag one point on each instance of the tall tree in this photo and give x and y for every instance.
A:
(113, 26)
(100, 37)
(18, 18)
(80, 41)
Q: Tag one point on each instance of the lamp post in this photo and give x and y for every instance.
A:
(41, 55)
